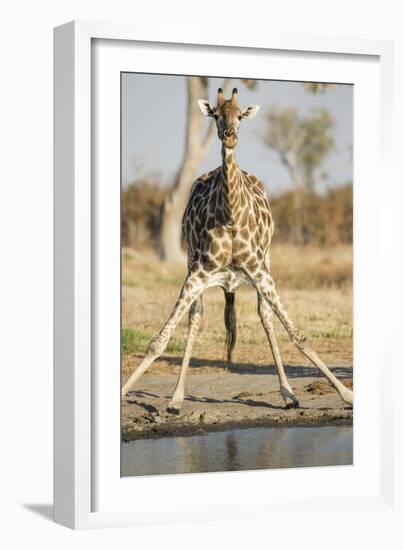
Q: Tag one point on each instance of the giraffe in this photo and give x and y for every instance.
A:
(228, 226)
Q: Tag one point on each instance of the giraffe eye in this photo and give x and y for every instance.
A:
(240, 117)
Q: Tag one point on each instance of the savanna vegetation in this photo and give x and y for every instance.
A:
(315, 287)
(324, 219)
(311, 257)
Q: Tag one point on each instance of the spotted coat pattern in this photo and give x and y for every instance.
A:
(228, 224)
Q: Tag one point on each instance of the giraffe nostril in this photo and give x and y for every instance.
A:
(228, 133)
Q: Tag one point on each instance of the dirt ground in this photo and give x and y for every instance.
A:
(217, 397)
(247, 393)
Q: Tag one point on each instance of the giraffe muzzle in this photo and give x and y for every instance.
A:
(230, 138)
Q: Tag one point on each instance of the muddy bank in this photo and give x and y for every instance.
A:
(217, 399)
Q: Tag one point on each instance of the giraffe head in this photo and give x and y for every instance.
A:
(228, 116)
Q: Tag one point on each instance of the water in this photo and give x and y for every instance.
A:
(240, 449)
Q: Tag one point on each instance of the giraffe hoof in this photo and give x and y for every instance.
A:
(347, 397)
(173, 410)
(294, 405)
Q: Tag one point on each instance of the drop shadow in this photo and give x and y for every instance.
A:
(299, 371)
(140, 393)
(145, 406)
(248, 402)
(43, 510)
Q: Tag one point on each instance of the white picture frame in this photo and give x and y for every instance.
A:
(87, 491)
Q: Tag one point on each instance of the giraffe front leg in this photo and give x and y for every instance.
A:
(266, 317)
(192, 288)
(265, 286)
(195, 317)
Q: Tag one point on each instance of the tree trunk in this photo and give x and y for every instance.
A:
(175, 203)
(171, 227)
(195, 150)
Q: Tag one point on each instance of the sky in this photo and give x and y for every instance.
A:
(154, 121)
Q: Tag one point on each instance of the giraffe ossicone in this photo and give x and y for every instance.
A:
(228, 227)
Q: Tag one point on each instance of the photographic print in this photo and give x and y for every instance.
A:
(236, 274)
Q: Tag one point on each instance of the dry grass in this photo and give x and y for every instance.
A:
(312, 267)
(315, 285)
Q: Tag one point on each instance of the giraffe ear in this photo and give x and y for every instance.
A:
(206, 107)
(250, 111)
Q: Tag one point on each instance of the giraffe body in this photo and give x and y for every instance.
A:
(228, 227)
(236, 234)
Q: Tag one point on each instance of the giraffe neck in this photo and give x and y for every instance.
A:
(230, 184)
